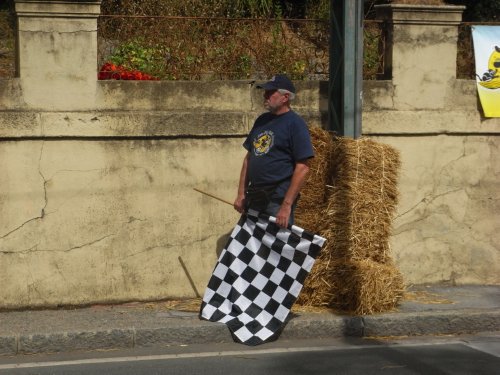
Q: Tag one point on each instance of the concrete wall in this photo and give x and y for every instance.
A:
(111, 220)
(96, 195)
(447, 227)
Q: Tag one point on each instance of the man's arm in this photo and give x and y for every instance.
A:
(298, 178)
(239, 203)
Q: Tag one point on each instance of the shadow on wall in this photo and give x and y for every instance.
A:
(221, 243)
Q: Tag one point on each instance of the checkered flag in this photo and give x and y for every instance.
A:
(258, 277)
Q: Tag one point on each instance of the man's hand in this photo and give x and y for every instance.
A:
(299, 176)
(283, 215)
(239, 203)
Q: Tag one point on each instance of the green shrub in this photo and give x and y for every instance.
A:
(137, 55)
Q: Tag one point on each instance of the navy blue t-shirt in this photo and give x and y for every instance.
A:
(276, 143)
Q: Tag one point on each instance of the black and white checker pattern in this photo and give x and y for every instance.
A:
(259, 276)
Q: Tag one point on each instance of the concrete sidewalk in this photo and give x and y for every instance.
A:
(427, 310)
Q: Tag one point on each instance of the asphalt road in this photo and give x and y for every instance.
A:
(431, 355)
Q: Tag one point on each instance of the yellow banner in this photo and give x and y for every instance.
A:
(487, 56)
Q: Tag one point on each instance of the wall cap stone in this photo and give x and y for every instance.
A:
(450, 15)
(122, 124)
(56, 9)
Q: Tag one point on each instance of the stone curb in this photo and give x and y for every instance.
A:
(427, 323)
(193, 331)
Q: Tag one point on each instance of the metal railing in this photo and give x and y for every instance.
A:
(180, 48)
(187, 48)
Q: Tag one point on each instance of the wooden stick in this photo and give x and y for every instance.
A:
(189, 277)
(213, 196)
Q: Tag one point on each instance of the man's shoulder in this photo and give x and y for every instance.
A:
(264, 117)
(295, 121)
(291, 118)
(296, 117)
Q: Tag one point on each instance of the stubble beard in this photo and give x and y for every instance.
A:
(271, 108)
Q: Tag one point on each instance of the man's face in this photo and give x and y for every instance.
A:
(274, 100)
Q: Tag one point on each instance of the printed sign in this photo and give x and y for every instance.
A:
(487, 56)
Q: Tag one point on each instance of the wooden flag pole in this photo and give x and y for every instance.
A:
(213, 196)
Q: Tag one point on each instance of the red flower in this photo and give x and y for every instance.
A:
(112, 71)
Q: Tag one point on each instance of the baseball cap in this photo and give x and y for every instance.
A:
(279, 81)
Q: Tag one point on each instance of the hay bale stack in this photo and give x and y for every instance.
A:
(363, 198)
(316, 192)
(354, 271)
(356, 287)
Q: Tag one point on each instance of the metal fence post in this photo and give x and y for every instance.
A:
(346, 67)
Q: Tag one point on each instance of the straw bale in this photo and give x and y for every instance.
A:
(315, 192)
(363, 198)
(351, 195)
(352, 205)
(357, 287)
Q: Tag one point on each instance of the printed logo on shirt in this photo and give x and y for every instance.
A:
(263, 143)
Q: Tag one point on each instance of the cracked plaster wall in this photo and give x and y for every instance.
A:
(93, 217)
(447, 226)
(90, 221)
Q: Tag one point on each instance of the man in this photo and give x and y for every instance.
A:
(261, 270)
(276, 164)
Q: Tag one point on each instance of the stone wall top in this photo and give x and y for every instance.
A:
(421, 14)
(228, 108)
(53, 9)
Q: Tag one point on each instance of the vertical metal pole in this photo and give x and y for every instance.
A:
(346, 67)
